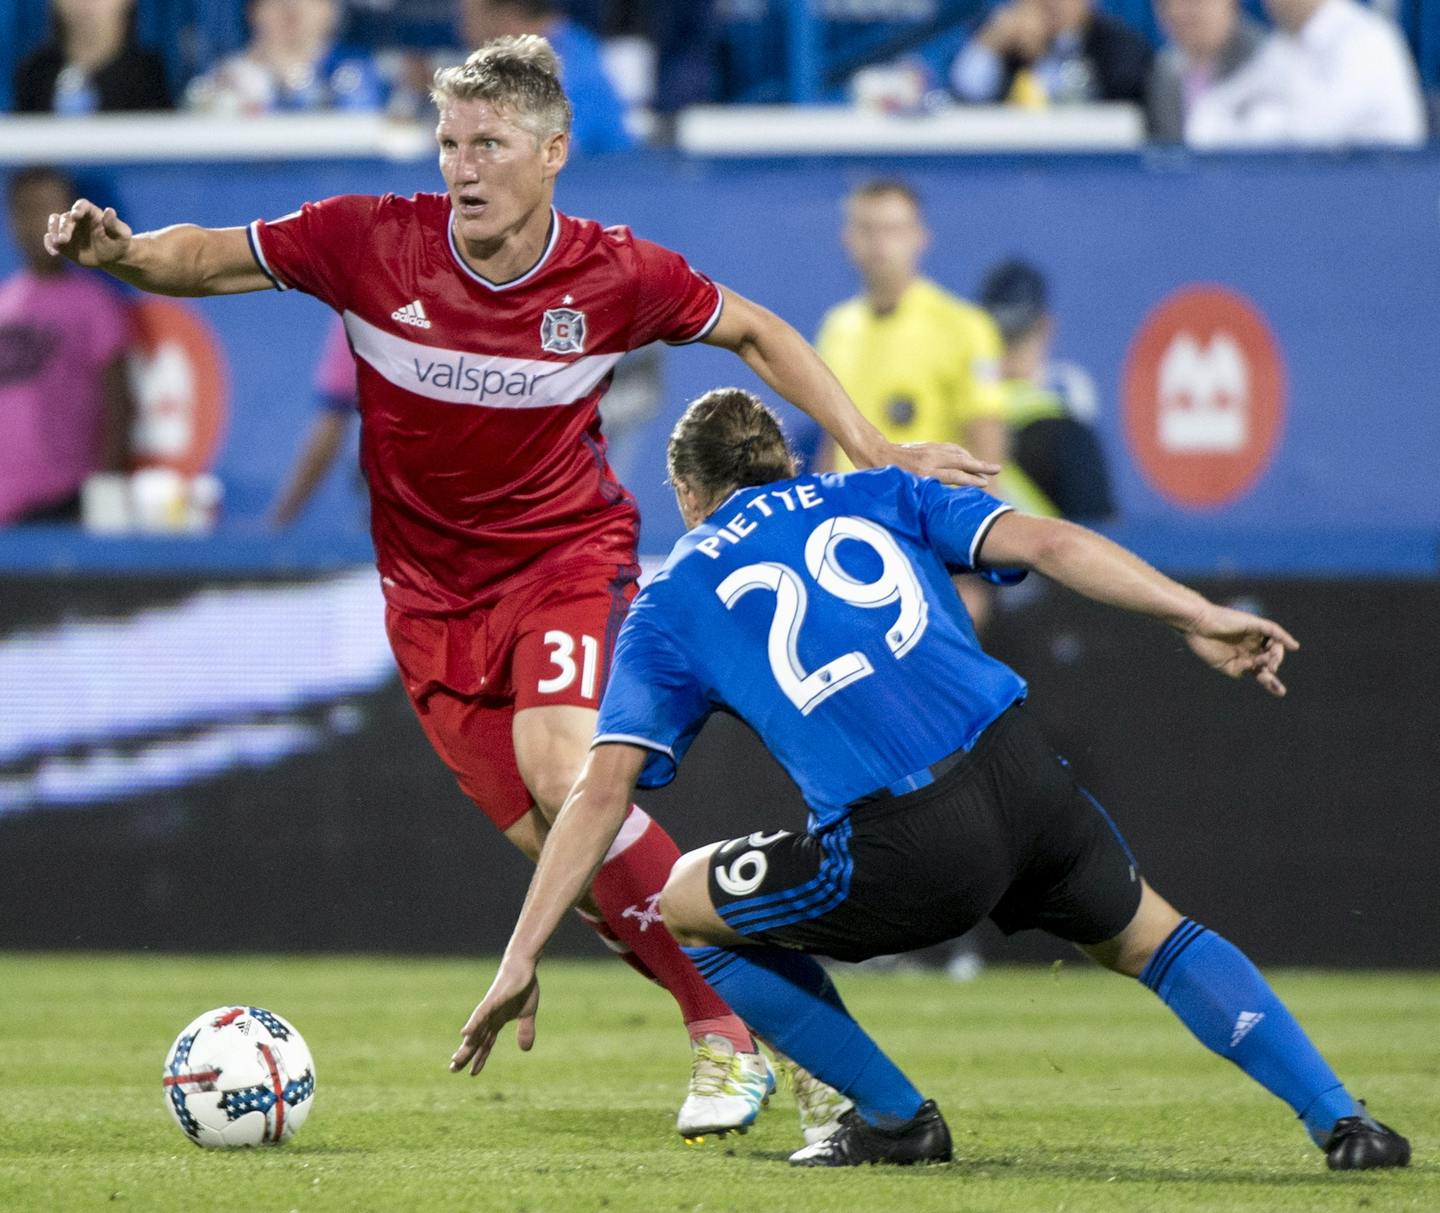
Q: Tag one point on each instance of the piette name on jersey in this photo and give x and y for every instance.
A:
(766, 505)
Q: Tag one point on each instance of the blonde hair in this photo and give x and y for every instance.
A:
(520, 75)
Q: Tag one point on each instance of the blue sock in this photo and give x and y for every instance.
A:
(1222, 998)
(790, 1001)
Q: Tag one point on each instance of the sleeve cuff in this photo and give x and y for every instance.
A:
(631, 739)
(253, 234)
(709, 326)
(659, 769)
(984, 529)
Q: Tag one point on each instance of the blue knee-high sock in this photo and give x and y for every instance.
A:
(1222, 998)
(790, 1001)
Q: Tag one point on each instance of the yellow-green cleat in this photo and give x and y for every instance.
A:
(820, 1105)
(727, 1090)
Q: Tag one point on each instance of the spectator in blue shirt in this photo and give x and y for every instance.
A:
(91, 64)
(293, 62)
(599, 112)
(1052, 52)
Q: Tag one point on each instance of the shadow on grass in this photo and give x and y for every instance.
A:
(1010, 1168)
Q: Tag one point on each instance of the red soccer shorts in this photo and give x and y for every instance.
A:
(545, 644)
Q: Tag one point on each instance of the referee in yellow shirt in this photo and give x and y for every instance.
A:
(920, 363)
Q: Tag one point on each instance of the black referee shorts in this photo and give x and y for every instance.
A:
(1006, 833)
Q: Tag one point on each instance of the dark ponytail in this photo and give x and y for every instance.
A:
(728, 439)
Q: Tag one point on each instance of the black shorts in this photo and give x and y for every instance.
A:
(1006, 833)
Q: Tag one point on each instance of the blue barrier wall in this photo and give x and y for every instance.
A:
(1341, 256)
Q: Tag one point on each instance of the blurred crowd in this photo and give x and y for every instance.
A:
(1325, 72)
(1225, 74)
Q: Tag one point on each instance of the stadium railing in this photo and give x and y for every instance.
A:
(147, 138)
(702, 130)
(778, 130)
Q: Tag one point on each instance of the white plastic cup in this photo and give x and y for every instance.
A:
(159, 498)
(105, 506)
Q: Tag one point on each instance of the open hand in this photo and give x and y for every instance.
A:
(514, 994)
(946, 462)
(88, 235)
(1238, 644)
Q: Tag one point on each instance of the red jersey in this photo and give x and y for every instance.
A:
(480, 400)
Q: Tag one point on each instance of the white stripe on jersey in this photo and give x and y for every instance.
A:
(632, 739)
(253, 232)
(709, 325)
(467, 377)
(984, 529)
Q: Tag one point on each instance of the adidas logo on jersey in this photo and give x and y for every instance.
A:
(412, 313)
(1244, 1022)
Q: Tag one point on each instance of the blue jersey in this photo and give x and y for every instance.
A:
(820, 611)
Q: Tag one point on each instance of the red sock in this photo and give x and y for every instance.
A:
(627, 891)
(616, 945)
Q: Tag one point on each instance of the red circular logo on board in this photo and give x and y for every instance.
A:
(181, 387)
(1204, 396)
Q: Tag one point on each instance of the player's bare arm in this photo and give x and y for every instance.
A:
(1233, 642)
(791, 367)
(989, 439)
(322, 446)
(182, 260)
(577, 843)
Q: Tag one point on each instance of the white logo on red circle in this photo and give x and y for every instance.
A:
(181, 387)
(1204, 396)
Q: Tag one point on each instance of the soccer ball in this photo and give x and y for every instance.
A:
(239, 1076)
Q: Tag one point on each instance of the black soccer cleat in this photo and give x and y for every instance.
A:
(1357, 1143)
(855, 1143)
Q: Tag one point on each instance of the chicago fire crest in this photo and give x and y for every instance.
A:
(562, 331)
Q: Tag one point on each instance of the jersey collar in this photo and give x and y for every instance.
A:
(907, 294)
(550, 244)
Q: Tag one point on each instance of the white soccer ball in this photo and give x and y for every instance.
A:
(239, 1076)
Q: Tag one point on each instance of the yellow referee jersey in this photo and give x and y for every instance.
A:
(920, 373)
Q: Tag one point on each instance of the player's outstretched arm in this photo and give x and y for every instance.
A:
(1235, 643)
(577, 843)
(790, 367)
(181, 260)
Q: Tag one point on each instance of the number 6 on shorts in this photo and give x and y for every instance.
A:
(745, 874)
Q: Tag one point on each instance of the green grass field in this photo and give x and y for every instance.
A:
(1066, 1089)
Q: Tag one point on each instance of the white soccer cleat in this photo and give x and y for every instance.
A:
(820, 1105)
(727, 1090)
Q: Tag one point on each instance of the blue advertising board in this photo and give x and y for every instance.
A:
(1263, 331)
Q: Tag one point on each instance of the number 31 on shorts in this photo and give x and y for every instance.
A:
(561, 646)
